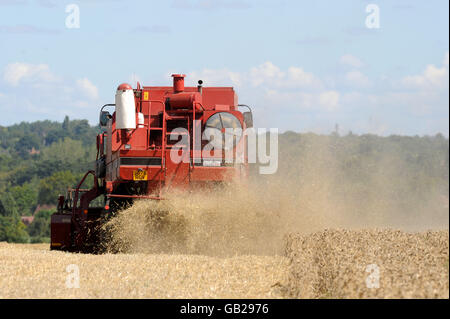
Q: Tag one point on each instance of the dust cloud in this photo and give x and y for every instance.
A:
(319, 185)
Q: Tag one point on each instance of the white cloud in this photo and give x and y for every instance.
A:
(351, 60)
(329, 100)
(297, 77)
(35, 89)
(357, 79)
(285, 97)
(297, 101)
(432, 77)
(216, 77)
(292, 101)
(15, 73)
(87, 88)
(266, 73)
(293, 98)
(39, 76)
(262, 76)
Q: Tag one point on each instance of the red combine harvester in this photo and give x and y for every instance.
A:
(152, 142)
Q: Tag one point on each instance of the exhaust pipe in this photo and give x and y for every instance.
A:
(178, 82)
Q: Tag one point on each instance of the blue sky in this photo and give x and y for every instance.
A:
(302, 65)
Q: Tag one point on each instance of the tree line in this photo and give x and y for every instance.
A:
(39, 160)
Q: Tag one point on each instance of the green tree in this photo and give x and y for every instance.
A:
(39, 229)
(66, 123)
(25, 144)
(54, 185)
(25, 197)
(8, 206)
(12, 230)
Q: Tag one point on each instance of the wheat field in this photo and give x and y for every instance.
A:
(324, 264)
(368, 264)
(32, 271)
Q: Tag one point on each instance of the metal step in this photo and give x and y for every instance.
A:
(176, 117)
(177, 133)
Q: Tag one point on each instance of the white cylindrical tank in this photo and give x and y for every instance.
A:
(125, 107)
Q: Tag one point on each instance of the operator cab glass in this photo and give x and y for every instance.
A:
(227, 126)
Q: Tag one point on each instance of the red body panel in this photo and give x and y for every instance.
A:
(60, 231)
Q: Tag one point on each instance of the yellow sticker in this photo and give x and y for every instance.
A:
(140, 175)
(146, 96)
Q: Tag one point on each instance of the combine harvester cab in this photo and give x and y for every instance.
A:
(154, 141)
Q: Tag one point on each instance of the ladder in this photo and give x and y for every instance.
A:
(173, 116)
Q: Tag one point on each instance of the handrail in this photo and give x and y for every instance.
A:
(191, 155)
(245, 105)
(77, 189)
(101, 110)
(149, 116)
(163, 155)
